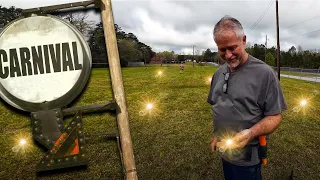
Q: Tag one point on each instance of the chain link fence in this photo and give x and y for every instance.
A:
(306, 74)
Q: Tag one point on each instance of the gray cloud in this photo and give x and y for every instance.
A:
(177, 25)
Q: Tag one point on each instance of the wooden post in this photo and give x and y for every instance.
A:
(278, 43)
(118, 89)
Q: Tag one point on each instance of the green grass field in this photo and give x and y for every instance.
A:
(171, 142)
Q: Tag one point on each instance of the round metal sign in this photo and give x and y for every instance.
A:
(44, 63)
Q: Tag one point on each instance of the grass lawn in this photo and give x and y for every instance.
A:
(171, 142)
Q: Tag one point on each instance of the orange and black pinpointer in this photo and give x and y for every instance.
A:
(263, 149)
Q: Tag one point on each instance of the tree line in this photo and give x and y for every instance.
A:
(293, 57)
(129, 47)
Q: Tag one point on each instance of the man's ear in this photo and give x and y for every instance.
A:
(244, 40)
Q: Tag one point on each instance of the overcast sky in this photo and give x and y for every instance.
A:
(177, 25)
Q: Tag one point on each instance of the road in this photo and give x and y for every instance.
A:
(311, 79)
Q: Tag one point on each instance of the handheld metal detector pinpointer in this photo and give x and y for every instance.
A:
(263, 149)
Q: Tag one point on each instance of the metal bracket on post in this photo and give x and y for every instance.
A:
(46, 9)
(116, 135)
(112, 105)
(68, 149)
(48, 130)
(47, 126)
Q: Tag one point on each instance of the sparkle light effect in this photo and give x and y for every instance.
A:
(149, 106)
(208, 79)
(22, 143)
(304, 106)
(226, 144)
(229, 142)
(303, 102)
(159, 74)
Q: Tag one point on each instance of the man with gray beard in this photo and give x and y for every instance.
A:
(247, 102)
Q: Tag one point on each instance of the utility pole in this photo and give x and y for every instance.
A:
(265, 49)
(278, 43)
(193, 55)
(144, 56)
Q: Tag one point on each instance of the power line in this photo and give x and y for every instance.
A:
(300, 22)
(302, 34)
(261, 16)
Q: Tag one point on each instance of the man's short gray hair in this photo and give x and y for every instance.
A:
(228, 23)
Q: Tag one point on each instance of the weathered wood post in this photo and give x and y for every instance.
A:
(118, 89)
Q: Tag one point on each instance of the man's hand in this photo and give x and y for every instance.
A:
(214, 143)
(243, 138)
